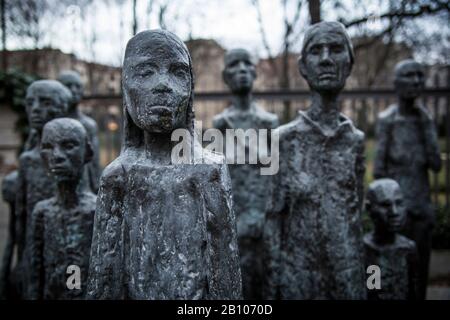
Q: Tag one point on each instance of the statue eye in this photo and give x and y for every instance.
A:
(68, 145)
(315, 50)
(336, 49)
(46, 146)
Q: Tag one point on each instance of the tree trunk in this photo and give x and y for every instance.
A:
(314, 11)
(134, 17)
(3, 26)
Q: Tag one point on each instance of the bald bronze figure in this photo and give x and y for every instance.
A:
(385, 247)
(249, 187)
(45, 100)
(72, 80)
(407, 147)
(62, 225)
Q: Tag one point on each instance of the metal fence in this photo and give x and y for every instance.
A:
(362, 106)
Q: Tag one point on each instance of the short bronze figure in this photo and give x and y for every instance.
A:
(394, 254)
(162, 230)
(249, 187)
(407, 147)
(9, 190)
(72, 80)
(45, 101)
(62, 225)
(313, 230)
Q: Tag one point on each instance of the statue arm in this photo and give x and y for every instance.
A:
(105, 279)
(224, 276)
(20, 210)
(431, 141)
(360, 172)
(413, 274)
(37, 246)
(94, 167)
(382, 146)
(272, 236)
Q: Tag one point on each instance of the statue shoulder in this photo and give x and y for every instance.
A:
(43, 206)
(219, 121)
(296, 126)
(27, 156)
(114, 173)
(89, 123)
(268, 118)
(388, 114)
(212, 157)
(406, 243)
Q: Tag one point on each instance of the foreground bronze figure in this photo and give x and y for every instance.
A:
(45, 101)
(72, 80)
(394, 254)
(162, 230)
(407, 147)
(62, 225)
(249, 186)
(313, 230)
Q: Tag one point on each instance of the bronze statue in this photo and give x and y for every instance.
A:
(407, 147)
(62, 225)
(313, 230)
(394, 254)
(45, 101)
(249, 187)
(162, 230)
(72, 80)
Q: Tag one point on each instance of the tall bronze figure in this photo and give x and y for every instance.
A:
(249, 186)
(62, 225)
(45, 101)
(72, 80)
(407, 147)
(162, 230)
(313, 230)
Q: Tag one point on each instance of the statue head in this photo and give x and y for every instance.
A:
(65, 148)
(409, 79)
(46, 100)
(239, 72)
(157, 85)
(384, 202)
(327, 57)
(72, 80)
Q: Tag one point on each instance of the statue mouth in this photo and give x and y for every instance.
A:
(327, 76)
(59, 170)
(159, 109)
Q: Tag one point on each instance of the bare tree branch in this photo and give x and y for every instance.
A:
(402, 13)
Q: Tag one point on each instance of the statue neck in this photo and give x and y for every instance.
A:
(406, 106)
(243, 101)
(73, 110)
(324, 110)
(158, 147)
(383, 237)
(68, 193)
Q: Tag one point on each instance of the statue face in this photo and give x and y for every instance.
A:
(73, 82)
(64, 149)
(43, 104)
(157, 85)
(387, 209)
(327, 62)
(409, 80)
(239, 72)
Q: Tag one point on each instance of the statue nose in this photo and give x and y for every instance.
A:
(162, 86)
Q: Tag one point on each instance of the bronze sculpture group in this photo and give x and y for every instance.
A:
(154, 229)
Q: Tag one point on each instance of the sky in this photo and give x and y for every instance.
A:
(232, 23)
